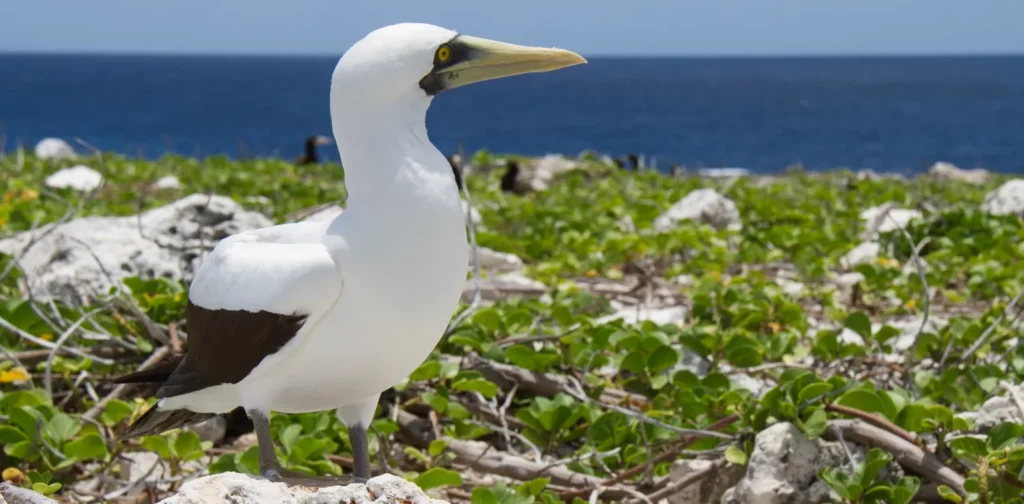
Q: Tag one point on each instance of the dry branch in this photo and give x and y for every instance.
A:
(907, 454)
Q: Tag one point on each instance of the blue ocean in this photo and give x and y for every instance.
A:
(897, 114)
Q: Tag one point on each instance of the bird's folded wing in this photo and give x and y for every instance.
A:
(281, 278)
(249, 299)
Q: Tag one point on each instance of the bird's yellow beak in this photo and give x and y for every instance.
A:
(466, 59)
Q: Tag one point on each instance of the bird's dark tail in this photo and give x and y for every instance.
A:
(156, 420)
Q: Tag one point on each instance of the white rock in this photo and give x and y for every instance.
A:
(167, 182)
(165, 242)
(80, 178)
(626, 224)
(791, 288)
(55, 149)
(501, 286)
(783, 469)
(675, 315)
(708, 489)
(1008, 199)
(909, 328)
(886, 218)
(863, 253)
(947, 171)
(494, 260)
(849, 337)
(237, 488)
(999, 409)
(705, 205)
(684, 280)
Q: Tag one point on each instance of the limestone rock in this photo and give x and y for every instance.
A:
(54, 149)
(886, 218)
(709, 489)
(167, 182)
(496, 261)
(948, 171)
(783, 469)
(1008, 199)
(704, 205)
(675, 315)
(83, 258)
(80, 178)
(236, 488)
(865, 252)
(501, 286)
(999, 409)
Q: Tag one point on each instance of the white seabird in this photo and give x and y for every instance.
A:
(312, 316)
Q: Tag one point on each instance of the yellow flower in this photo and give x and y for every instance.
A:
(46, 336)
(29, 195)
(910, 305)
(888, 263)
(591, 273)
(13, 475)
(13, 375)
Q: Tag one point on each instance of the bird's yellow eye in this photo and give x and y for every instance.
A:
(444, 53)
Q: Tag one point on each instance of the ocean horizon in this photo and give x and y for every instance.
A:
(891, 113)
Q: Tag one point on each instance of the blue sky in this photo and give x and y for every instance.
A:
(595, 27)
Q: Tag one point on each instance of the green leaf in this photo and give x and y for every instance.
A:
(10, 435)
(968, 447)
(662, 358)
(816, 424)
(188, 446)
(905, 489)
(874, 462)
(438, 476)
(488, 318)
(289, 436)
(89, 446)
(864, 400)
(428, 370)
(437, 446)
(860, 324)
(485, 387)
(736, 455)
(483, 495)
(1003, 435)
(159, 445)
(61, 427)
(949, 494)
(812, 391)
(46, 488)
(116, 411)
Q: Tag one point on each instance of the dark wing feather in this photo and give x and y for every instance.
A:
(224, 346)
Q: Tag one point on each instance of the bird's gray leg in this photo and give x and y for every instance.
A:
(360, 452)
(270, 467)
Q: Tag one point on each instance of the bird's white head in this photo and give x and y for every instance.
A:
(383, 85)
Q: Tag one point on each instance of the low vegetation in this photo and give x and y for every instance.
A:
(572, 405)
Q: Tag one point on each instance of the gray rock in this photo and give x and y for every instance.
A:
(167, 182)
(863, 253)
(54, 149)
(709, 489)
(80, 178)
(999, 409)
(886, 218)
(1008, 199)
(783, 469)
(82, 259)
(496, 261)
(948, 171)
(675, 315)
(704, 205)
(500, 286)
(236, 488)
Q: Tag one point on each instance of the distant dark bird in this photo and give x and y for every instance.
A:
(456, 161)
(632, 159)
(309, 156)
(511, 181)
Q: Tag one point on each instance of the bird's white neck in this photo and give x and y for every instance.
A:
(386, 153)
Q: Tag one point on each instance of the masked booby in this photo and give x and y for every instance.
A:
(312, 316)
